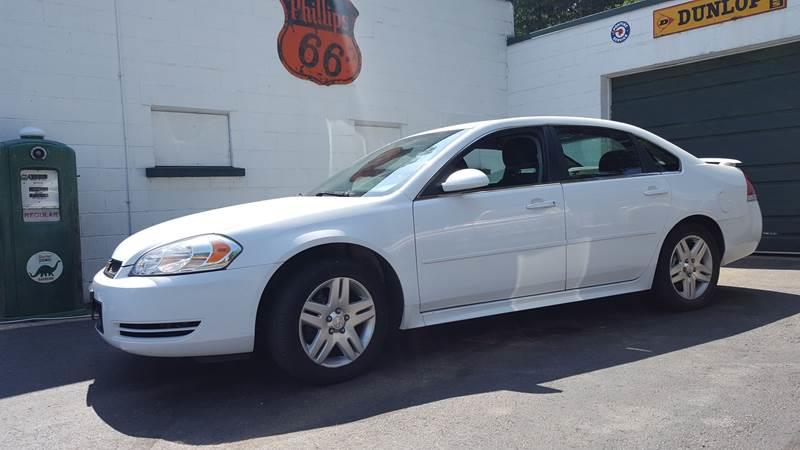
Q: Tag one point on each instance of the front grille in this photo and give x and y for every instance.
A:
(158, 330)
(112, 267)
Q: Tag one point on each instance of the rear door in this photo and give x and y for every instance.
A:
(616, 205)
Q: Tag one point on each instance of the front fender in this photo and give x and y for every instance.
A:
(316, 238)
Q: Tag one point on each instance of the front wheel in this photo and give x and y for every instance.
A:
(328, 322)
(688, 269)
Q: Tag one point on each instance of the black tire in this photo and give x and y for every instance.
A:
(664, 291)
(279, 330)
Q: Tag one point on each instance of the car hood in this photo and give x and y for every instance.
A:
(234, 220)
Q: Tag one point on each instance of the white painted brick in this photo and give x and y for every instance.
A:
(104, 224)
(116, 201)
(91, 267)
(100, 179)
(142, 157)
(95, 88)
(76, 18)
(92, 201)
(99, 156)
(420, 58)
(31, 12)
(99, 247)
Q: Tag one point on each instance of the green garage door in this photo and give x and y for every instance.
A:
(744, 106)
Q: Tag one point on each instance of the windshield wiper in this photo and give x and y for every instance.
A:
(335, 194)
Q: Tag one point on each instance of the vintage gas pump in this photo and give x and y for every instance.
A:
(40, 261)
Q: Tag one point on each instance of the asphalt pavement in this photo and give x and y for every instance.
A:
(611, 373)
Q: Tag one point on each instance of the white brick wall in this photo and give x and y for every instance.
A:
(60, 74)
(221, 56)
(426, 64)
(566, 72)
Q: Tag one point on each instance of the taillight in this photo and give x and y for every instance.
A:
(751, 191)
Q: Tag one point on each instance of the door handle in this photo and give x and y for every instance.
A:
(541, 204)
(653, 190)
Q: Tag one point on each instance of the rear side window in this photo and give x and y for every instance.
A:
(663, 160)
(592, 152)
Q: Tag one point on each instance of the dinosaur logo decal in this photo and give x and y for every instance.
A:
(44, 267)
(317, 42)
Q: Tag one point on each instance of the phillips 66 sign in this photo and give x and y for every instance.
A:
(317, 43)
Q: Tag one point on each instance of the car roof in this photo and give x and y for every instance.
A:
(536, 120)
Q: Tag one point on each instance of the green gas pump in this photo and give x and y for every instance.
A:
(40, 260)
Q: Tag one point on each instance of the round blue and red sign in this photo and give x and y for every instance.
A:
(620, 31)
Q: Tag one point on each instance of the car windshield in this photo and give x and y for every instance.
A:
(387, 168)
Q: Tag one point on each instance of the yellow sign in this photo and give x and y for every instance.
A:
(701, 13)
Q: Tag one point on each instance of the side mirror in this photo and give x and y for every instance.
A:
(465, 179)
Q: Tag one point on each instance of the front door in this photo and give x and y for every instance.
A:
(499, 242)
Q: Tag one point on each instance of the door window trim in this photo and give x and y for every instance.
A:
(546, 167)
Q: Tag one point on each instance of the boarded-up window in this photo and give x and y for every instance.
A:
(191, 139)
(376, 136)
(350, 140)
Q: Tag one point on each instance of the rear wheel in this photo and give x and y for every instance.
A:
(328, 322)
(688, 269)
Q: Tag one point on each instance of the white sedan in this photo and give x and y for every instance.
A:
(451, 224)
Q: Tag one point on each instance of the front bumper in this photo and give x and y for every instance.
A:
(201, 314)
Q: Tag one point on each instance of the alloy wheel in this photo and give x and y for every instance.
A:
(691, 267)
(337, 322)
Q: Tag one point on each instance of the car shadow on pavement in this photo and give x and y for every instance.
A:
(183, 400)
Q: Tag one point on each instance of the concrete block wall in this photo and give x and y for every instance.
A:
(425, 64)
(567, 72)
(60, 74)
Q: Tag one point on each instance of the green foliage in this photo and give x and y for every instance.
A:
(532, 15)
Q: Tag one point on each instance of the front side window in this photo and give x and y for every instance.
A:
(663, 160)
(508, 161)
(388, 168)
(591, 152)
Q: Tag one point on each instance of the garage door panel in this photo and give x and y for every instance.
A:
(787, 243)
(774, 122)
(744, 106)
(744, 73)
(785, 172)
(773, 201)
(723, 101)
(779, 226)
(766, 147)
(781, 234)
(733, 61)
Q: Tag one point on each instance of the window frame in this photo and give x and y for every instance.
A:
(540, 132)
(562, 171)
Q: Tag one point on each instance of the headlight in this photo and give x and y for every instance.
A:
(197, 254)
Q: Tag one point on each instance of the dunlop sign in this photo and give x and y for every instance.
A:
(701, 13)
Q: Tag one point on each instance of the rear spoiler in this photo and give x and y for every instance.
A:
(721, 161)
